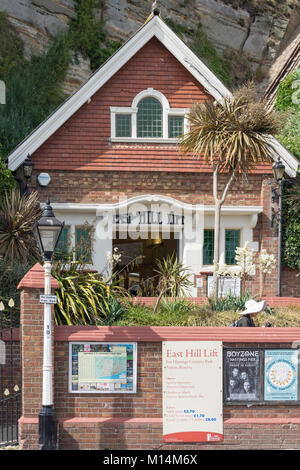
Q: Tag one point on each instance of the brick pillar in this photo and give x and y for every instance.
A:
(32, 336)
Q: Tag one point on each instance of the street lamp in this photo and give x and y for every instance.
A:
(278, 170)
(47, 232)
(27, 172)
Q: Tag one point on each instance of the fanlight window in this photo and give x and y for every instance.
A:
(150, 118)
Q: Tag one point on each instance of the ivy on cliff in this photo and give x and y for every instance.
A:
(88, 36)
(288, 100)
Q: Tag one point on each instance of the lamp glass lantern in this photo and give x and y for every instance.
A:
(47, 232)
(27, 168)
(278, 170)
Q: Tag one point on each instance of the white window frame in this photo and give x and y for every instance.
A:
(133, 110)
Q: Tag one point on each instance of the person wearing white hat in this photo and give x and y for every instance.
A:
(252, 309)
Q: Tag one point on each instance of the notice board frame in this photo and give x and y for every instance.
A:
(100, 392)
(261, 401)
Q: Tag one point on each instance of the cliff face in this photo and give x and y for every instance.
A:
(260, 34)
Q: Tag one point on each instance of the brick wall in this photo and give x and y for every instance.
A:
(134, 421)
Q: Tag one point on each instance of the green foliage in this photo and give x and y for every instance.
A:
(288, 94)
(171, 313)
(34, 88)
(184, 313)
(291, 231)
(179, 29)
(84, 298)
(87, 34)
(11, 52)
(288, 100)
(204, 49)
(11, 274)
(229, 302)
(7, 182)
(33, 92)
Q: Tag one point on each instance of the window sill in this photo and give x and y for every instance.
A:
(141, 140)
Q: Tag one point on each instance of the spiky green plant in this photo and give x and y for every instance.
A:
(173, 278)
(84, 298)
(233, 136)
(18, 214)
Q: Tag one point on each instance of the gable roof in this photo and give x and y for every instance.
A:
(155, 27)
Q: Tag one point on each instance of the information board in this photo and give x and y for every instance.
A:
(192, 391)
(102, 367)
(242, 374)
(281, 375)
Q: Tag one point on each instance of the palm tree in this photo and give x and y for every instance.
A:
(17, 218)
(233, 136)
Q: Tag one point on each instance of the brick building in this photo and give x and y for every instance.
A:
(110, 161)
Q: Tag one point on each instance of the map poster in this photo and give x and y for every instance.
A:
(102, 368)
(192, 391)
(242, 375)
(281, 375)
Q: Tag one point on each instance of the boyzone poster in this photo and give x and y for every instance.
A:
(281, 375)
(242, 368)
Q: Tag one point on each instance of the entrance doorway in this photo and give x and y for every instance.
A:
(139, 259)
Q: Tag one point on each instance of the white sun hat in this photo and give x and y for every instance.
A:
(254, 307)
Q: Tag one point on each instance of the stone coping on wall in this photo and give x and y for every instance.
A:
(167, 333)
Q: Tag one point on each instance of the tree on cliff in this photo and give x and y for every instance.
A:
(233, 137)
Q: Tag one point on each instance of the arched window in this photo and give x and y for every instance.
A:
(149, 118)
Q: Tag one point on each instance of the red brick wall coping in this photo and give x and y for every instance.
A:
(72, 421)
(165, 333)
(35, 279)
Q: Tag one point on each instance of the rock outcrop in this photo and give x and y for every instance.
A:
(259, 36)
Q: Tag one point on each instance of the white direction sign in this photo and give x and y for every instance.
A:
(192, 391)
(48, 299)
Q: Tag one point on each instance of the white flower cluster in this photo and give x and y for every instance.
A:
(267, 263)
(244, 258)
(113, 258)
(245, 264)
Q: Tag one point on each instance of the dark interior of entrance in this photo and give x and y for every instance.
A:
(139, 260)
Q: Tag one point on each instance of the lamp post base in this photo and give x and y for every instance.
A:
(47, 429)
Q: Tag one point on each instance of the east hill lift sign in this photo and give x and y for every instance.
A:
(148, 218)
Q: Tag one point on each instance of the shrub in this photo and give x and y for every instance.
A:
(84, 298)
(230, 302)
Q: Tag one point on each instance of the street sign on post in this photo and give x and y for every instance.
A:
(48, 299)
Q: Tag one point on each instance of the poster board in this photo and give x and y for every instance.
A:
(96, 367)
(192, 391)
(272, 375)
(242, 374)
(281, 375)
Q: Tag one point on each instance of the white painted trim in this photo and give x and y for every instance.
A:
(144, 140)
(149, 198)
(166, 112)
(153, 28)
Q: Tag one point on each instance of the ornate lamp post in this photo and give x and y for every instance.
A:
(278, 170)
(47, 232)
